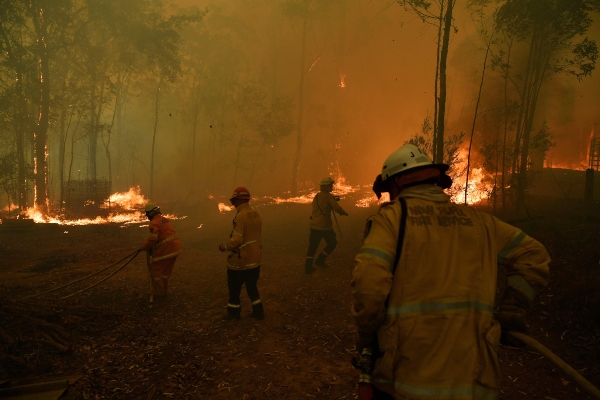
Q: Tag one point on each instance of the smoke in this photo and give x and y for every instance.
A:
(231, 117)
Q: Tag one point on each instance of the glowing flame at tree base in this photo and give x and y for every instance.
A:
(129, 205)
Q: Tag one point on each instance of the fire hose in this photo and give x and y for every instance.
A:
(557, 361)
(366, 364)
(338, 226)
(132, 255)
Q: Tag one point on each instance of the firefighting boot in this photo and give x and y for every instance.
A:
(258, 311)
(320, 261)
(233, 312)
(308, 266)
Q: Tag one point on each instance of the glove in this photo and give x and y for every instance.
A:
(345, 214)
(512, 316)
(512, 320)
(363, 340)
(222, 247)
(378, 186)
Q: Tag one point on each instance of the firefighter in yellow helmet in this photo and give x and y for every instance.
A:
(162, 248)
(321, 227)
(424, 285)
(245, 257)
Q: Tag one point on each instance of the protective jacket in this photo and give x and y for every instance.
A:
(437, 336)
(322, 205)
(244, 240)
(163, 240)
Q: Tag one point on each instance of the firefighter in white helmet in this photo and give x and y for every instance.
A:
(423, 289)
(321, 226)
(245, 257)
(162, 247)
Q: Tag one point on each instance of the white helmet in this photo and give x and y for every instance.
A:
(406, 157)
(327, 181)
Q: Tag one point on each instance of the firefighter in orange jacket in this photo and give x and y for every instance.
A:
(162, 248)
(321, 227)
(425, 297)
(243, 263)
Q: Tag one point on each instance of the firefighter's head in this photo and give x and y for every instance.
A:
(408, 166)
(240, 195)
(151, 210)
(326, 184)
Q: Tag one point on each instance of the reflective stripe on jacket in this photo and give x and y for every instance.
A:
(163, 240)
(438, 336)
(322, 205)
(244, 240)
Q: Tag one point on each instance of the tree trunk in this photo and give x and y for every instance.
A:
(522, 113)
(504, 171)
(154, 135)
(299, 138)
(436, 104)
(93, 133)
(108, 140)
(73, 141)
(538, 68)
(61, 156)
(21, 117)
(487, 52)
(41, 130)
(195, 111)
(119, 130)
(237, 157)
(442, 109)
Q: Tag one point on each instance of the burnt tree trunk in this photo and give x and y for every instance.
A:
(439, 157)
(41, 130)
(299, 137)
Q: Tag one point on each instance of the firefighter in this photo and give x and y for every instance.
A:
(162, 248)
(244, 259)
(423, 295)
(321, 227)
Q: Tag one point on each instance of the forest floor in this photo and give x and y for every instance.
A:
(181, 349)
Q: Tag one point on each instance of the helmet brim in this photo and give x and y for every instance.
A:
(442, 167)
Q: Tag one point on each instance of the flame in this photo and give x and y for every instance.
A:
(478, 190)
(223, 208)
(130, 202)
(304, 199)
(340, 188)
(342, 80)
(372, 200)
(10, 208)
(580, 166)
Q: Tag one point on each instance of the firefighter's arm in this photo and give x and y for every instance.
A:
(237, 235)
(152, 239)
(526, 261)
(336, 207)
(372, 277)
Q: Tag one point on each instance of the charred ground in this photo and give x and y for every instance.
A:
(181, 349)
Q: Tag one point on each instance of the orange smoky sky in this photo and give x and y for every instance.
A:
(386, 58)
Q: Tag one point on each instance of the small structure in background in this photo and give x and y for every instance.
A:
(87, 199)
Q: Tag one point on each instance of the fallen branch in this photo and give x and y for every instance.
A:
(49, 341)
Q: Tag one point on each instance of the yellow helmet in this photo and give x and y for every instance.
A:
(327, 181)
(151, 207)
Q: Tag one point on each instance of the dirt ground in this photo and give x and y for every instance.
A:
(181, 349)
